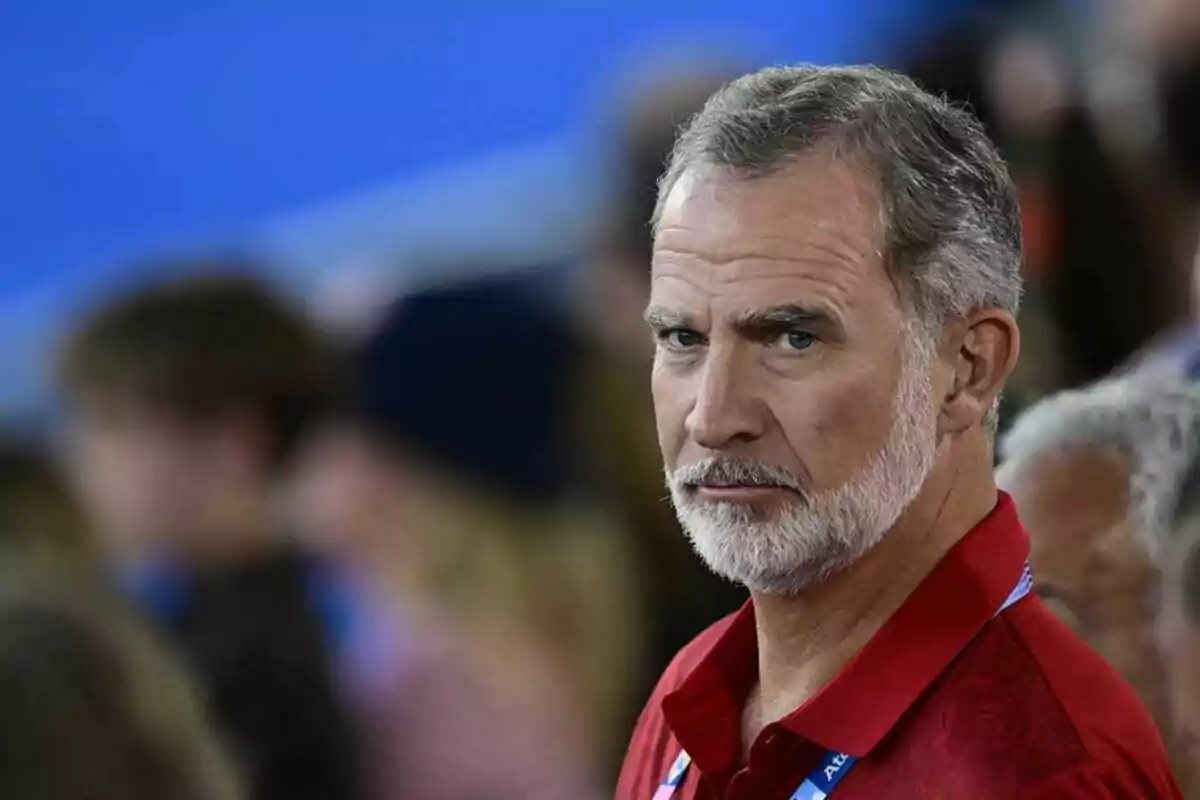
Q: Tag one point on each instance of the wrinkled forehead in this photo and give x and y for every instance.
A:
(815, 194)
(810, 232)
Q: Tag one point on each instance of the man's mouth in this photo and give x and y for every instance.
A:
(739, 492)
(737, 481)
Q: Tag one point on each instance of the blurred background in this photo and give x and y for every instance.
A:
(321, 358)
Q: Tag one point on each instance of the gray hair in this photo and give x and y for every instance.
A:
(1152, 421)
(952, 227)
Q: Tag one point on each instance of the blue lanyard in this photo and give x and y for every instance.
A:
(821, 782)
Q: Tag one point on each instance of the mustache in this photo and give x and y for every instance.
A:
(734, 471)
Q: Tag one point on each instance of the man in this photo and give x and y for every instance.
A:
(1095, 473)
(184, 402)
(42, 526)
(834, 281)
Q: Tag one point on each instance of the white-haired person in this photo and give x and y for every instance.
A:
(94, 707)
(1097, 473)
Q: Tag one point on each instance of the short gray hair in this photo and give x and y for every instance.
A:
(952, 226)
(1152, 421)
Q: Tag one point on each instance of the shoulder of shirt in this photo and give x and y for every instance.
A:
(1121, 743)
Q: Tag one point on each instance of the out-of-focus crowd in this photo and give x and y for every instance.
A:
(433, 558)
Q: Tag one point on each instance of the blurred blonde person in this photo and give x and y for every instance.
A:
(41, 524)
(93, 708)
(446, 492)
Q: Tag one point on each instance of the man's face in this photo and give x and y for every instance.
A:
(793, 400)
(138, 473)
(1088, 562)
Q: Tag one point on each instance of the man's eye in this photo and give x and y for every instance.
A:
(796, 341)
(681, 338)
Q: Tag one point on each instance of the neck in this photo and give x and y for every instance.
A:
(805, 640)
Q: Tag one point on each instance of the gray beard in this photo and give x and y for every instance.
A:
(817, 534)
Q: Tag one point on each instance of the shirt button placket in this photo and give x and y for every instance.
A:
(764, 759)
(742, 787)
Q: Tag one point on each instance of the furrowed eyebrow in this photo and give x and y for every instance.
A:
(783, 318)
(661, 319)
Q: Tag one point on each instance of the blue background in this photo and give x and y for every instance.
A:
(130, 126)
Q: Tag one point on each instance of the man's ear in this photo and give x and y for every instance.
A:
(981, 351)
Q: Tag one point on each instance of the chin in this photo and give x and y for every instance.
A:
(757, 554)
(774, 548)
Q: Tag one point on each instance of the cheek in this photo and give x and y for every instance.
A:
(115, 476)
(133, 491)
(833, 424)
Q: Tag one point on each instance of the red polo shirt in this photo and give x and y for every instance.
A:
(947, 700)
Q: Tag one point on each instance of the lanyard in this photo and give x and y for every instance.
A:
(834, 766)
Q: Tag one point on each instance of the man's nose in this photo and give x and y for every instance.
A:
(726, 410)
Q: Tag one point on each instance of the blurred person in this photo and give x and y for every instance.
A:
(645, 120)
(835, 274)
(1178, 92)
(1003, 63)
(1095, 473)
(1174, 353)
(1113, 237)
(1139, 86)
(449, 492)
(616, 415)
(42, 525)
(1096, 213)
(93, 708)
(953, 61)
(184, 400)
(1169, 32)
